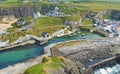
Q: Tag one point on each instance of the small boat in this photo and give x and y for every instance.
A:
(79, 32)
(43, 42)
(74, 34)
(70, 35)
(83, 36)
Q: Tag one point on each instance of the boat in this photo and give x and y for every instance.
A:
(70, 35)
(74, 34)
(79, 32)
(43, 42)
(83, 36)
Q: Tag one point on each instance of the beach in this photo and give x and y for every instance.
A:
(4, 26)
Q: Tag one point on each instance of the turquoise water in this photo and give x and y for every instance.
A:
(24, 53)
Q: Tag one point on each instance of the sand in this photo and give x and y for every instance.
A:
(5, 26)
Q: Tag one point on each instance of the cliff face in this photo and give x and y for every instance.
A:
(27, 9)
(23, 11)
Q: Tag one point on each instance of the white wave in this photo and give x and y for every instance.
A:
(109, 70)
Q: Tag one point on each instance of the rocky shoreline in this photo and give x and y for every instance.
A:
(89, 50)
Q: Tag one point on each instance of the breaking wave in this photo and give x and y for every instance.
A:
(109, 70)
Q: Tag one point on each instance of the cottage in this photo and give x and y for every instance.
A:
(55, 12)
(52, 13)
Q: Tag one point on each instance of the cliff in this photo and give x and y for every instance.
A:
(27, 9)
(18, 12)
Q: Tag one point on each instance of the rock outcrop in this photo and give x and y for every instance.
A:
(18, 12)
(89, 51)
(64, 66)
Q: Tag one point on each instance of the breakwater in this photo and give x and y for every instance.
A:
(91, 53)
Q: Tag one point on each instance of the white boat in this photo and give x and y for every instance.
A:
(83, 36)
(79, 32)
(70, 35)
(74, 34)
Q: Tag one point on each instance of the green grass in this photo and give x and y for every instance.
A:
(51, 24)
(54, 21)
(99, 6)
(47, 64)
(48, 21)
(46, 24)
(37, 32)
(11, 1)
(69, 44)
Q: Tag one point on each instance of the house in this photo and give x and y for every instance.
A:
(55, 12)
(69, 23)
(45, 35)
(108, 28)
(37, 15)
(52, 13)
(21, 21)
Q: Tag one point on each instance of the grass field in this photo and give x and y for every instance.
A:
(98, 6)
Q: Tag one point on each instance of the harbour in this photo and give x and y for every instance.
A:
(24, 53)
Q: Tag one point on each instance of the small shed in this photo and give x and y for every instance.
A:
(45, 34)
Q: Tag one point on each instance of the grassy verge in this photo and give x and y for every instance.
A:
(69, 43)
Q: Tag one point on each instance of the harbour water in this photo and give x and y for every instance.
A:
(24, 53)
